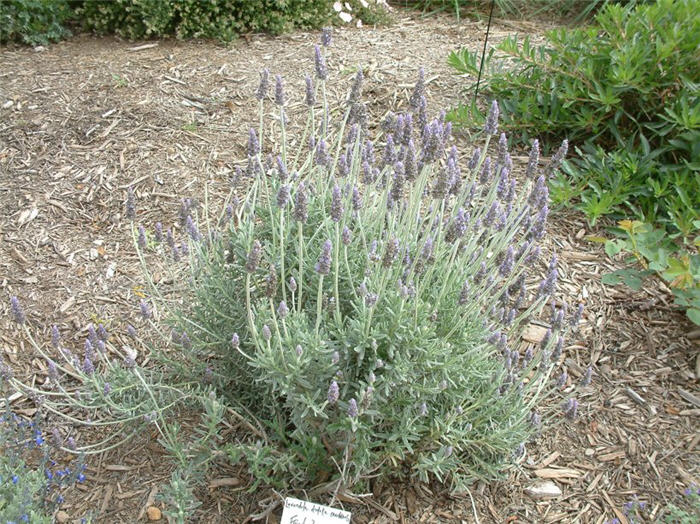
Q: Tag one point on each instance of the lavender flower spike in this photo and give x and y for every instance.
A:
(352, 408)
(336, 205)
(356, 90)
(235, 341)
(326, 36)
(320, 63)
(531, 171)
(323, 266)
(279, 91)
(17, 312)
(418, 92)
(491, 127)
(301, 199)
(254, 257)
(333, 392)
(264, 83)
(145, 309)
(557, 159)
(282, 310)
(310, 95)
(253, 144)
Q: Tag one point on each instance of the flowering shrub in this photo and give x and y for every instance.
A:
(31, 481)
(361, 309)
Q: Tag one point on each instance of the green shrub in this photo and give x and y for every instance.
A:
(33, 22)
(219, 19)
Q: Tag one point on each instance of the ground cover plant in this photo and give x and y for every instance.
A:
(33, 22)
(358, 304)
(635, 124)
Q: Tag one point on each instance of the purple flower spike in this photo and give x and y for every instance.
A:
(561, 381)
(576, 317)
(88, 367)
(346, 236)
(282, 310)
(491, 127)
(507, 265)
(352, 408)
(253, 143)
(52, 370)
(557, 159)
(323, 266)
(310, 94)
(299, 350)
(321, 154)
(418, 91)
(17, 312)
(320, 64)
(292, 284)
(356, 199)
(571, 408)
(588, 377)
(130, 204)
(144, 309)
(333, 393)
(235, 341)
(264, 83)
(326, 36)
(391, 252)
(283, 196)
(279, 91)
(531, 171)
(336, 205)
(356, 90)
(253, 260)
(301, 199)
(423, 410)
(266, 333)
(55, 337)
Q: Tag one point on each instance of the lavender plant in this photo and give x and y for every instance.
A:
(361, 309)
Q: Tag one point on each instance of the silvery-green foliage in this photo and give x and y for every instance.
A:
(375, 291)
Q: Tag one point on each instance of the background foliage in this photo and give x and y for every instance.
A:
(33, 22)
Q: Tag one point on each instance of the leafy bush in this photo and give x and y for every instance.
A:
(363, 314)
(33, 22)
(31, 482)
(625, 92)
(219, 19)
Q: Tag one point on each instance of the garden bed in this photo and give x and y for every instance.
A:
(85, 119)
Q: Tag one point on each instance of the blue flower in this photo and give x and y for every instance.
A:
(81, 477)
(15, 479)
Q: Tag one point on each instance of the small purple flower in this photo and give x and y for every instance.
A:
(323, 266)
(321, 155)
(107, 389)
(55, 337)
(299, 350)
(549, 284)
(266, 333)
(352, 408)
(531, 171)
(356, 199)
(423, 410)
(418, 91)
(88, 367)
(561, 381)
(571, 408)
(52, 370)
(282, 310)
(254, 256)
(253, 143)
(17, 312)
(336, 204)
(145, 309)
(70, 443)
(491, 126)
(141, 240)
(158, 235)
(292, 284)
(131, 331)
(320, 64)
(558, 348)
(326, 36)
(390, 252)
(507, 265)
(333, 392)
(576, 317)
(279, 91)
(588, 377)
(264, 83)
(356, 90)
(371, 299)
(283, 195)
(346, 236)
(301, 199)
(130, 204)
(310, 95)
(557, 159)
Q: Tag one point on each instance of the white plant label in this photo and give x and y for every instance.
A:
(303, 512)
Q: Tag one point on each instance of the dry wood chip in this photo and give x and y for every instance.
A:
(611, 456)
(687, 395)
(118, 467)
(534, 333)
(222, 482)
(552, 473)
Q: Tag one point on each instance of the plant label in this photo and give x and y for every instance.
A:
(303, 512)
